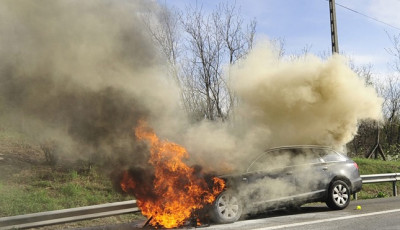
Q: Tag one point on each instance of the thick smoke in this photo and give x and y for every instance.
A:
(287, 102)
(80, 74)
(304, 101)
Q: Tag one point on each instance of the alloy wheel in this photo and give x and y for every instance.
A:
(340, 194)
(228, 206)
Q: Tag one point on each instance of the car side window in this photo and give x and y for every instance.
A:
(270, 161)
(315, 160)
(281, 158)
(331, 156)
(306, 156)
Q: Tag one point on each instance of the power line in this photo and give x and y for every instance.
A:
(372, 18)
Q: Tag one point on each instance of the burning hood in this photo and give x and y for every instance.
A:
(175, 190)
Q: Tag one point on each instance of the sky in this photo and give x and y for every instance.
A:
(306, 23)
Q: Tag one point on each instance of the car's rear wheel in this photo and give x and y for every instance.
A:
(227, 208)
(338, 195)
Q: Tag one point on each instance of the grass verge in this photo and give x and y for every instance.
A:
(371, 166)
(29, 185)
(41, 189)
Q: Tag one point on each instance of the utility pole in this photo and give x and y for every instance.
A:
(334, 38)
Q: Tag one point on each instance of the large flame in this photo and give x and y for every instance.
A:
(177, 190)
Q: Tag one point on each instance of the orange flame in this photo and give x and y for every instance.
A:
(177, 189)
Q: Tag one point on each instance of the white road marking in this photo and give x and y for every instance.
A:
(328, 220)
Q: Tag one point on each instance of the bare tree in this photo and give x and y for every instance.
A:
(304, 52)
(213, 41)
(229, 23)
(236, 41)
(389, 90)
(367, 130)
(363, 71)
(395, 51)
(204, 46)
(391, 94)
(279, 44)
(391, 108)
(165, 31)
(198, 46)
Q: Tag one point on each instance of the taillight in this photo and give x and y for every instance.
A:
(356, 165)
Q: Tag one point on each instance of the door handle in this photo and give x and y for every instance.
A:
(244, 179)
(325, 168)
(289, 173)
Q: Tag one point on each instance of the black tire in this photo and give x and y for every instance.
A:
(338, 195)
(227, 208)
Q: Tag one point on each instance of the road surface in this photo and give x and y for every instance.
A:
(383, 213)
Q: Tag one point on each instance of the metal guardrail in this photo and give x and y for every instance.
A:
(111, 209)
(379, 178)
(67, 215)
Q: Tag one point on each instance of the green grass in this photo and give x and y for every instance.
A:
(371, 166)
(45, 189)
(28, 185)
(41, 188)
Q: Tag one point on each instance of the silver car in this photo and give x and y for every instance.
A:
(288, 177)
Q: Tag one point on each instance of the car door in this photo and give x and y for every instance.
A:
(270, 177)
(331, 166)
(310, 174)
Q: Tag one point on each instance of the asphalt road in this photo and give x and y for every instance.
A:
(383, 213)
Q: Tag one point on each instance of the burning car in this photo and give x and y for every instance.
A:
(172, 192)
(288, 177)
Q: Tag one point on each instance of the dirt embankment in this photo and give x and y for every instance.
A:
(17, 156)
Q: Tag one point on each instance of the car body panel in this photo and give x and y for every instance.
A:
(294, 180)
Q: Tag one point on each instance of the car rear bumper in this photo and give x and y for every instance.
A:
(356, 185)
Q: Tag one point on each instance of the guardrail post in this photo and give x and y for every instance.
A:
(394, 188)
